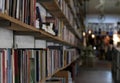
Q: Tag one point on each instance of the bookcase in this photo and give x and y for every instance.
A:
(116, 65)
(38, 40)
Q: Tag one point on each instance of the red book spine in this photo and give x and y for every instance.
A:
(16, 64)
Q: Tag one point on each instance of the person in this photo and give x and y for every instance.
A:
(106, 44)
(110, 49)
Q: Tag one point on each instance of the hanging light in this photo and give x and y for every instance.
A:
(89, 32)
(93, 36)
(84, 34)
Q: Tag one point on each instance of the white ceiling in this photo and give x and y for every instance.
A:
(109, 7)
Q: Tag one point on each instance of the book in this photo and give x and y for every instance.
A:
(28, 65)
(1, 3)
(10, 7)
(9, 65)
(44, 68)
(32, 10)
(16, 66)
(0, 66)
(37, 65)
(38, 17)
(14, 8)
(40, 64)
(17, 9)
(32, 67)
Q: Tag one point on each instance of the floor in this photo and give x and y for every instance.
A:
(100, 72)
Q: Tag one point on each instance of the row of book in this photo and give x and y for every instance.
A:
(21, 66)
(69, 36)
(23, 10)
(66, 10)
(78, 10)
(31, 65)
(59, 57)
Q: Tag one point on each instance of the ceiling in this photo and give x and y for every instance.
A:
(103, 6)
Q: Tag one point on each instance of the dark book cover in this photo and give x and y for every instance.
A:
(37, 65)
(25, 11)
(10, 7)
(16, 66)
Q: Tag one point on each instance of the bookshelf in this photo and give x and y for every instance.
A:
(22, 24)
(30, 30)
(55, 72)
(116, 64)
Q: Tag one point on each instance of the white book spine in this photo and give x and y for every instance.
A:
(3, 6)
(17, 11)
(6, 66)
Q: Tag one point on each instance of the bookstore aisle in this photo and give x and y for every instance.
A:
(100, 73)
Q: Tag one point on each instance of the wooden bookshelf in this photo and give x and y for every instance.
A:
(55, 10)
(58, 71)
(21, 28)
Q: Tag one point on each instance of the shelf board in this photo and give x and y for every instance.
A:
(55, 10)
(58, 71)
(22, 28)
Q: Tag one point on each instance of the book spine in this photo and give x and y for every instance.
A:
(28, 66)
(18, 9)
(13, 67)
(14, 8)
(1, 78)
(3, 6)
(1, 3)
(37, 66)
(10, 7)
(9, 66)
(6, 67)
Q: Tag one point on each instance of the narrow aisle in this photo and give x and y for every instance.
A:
(100, 73)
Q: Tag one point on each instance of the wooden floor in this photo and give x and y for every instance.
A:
(100, 73)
